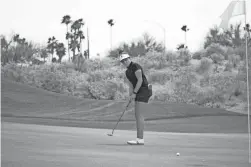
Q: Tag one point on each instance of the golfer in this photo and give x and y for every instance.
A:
(139, 91)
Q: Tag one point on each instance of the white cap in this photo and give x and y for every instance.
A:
(123, 56)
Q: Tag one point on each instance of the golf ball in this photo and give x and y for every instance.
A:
(178, 154)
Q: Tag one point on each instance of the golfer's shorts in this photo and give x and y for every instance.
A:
(143, 95)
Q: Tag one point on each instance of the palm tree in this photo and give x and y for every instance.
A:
(181, 46)
(80, 36)
(111, 23)
(44, 53)
(88, 45)
(16, 38)
(60, 50)
(67, 20)
(4, 49)
(248, 30)
(52, 45)
(16, 41)
(185, 29)
(76, 36)
(23, 47)
(70, 38)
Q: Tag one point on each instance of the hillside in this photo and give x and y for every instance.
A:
(26, 104)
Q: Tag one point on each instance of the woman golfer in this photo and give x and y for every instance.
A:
(140, 91)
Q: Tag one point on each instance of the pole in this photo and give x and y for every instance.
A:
(88, 44)
(246, 34)
(1, 48)
(111, 38)
(185, 39)
(164, 41)
(81, 46)
(68, 45)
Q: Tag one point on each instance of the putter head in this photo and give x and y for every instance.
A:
(109, 134)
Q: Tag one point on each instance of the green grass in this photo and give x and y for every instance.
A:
(27, 104)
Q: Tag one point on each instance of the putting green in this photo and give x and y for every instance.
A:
(36, 145)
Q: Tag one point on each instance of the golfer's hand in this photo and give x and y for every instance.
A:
(133, 96)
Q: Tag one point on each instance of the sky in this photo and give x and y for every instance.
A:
(37, 20)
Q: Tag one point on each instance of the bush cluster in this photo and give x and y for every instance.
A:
(172, 82)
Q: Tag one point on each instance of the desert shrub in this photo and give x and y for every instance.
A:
(100, 75)
(198, 54)
(160, 77)
(106, 74)
(105, 79)
(208, 96)
(184, 61)
(184, 86)
(172, 56)
(108, 62)
(156, 56)
(13, 72)
(78, 84)
(163, 92)
(183, 93)
(56, 77)
(228, 67)
(155, 60)
(234, 51)
(237, 89)
(220, 81)
(184, 56)
(148, 64)
(52, 82)
(234, 59)
(241, 51)
(222, 84)
(178, 89)
(204, 66)
(187, 59)
(215, 48)
(91, 65)
(217, 58)
(161, 58)
(66, 66)
(108, 89)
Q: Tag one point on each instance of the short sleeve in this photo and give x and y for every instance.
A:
(136, 67)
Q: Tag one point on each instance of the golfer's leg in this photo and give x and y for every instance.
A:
(139, 109)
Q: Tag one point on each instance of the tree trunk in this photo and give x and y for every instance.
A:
(88, 51)
(14, 57)
(68, 45)
(59, 59)
(52, 55)
(111, 38)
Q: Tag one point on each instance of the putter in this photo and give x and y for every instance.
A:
(111, 134)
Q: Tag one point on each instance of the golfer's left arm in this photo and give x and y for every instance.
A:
(138, 74)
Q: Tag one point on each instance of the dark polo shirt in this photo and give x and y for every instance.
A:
(130, 74)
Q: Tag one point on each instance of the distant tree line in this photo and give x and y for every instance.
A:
(232, 37)
(19, 49)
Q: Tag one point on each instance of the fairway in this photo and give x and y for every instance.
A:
(40, 146)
